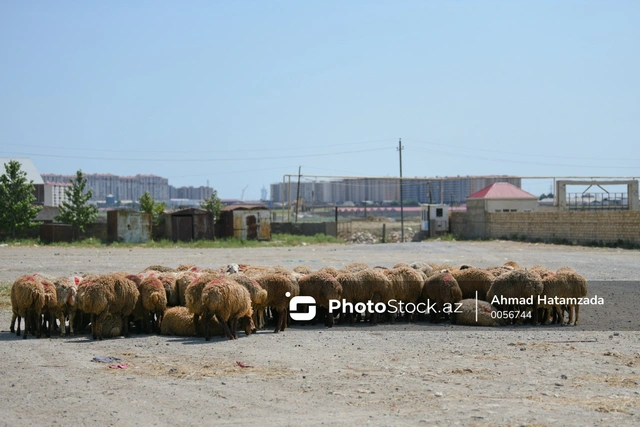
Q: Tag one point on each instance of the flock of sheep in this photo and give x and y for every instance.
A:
(189, 301)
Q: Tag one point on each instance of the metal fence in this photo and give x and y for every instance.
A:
(597, 201)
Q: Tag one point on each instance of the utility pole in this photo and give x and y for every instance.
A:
(298, 193)
(400, 147)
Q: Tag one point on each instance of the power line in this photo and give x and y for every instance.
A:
(218, 159)
(239, 150)
(483, 149)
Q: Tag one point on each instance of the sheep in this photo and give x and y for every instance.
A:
(567, 285)
(332, 271)
(303, 269)
(170, 287)
(541, 271)
(178, 321)
(354, 267)
(50, 305)
(183, 280)
(280, 289)
(66, 292)
(465, 314)
(522, 287)
(512, 264)
(406, 284)
(158, 269)
(565, 269)
(423, 267)
(186, 267)
(106, 294)
(497, 271)
(322, 287)
(193, 294)
(472, 280)
(258, 297)
(151, 304)
(228, 301)
(27, 302)
(440, 267)
(364, 286)
(112, 326)
(445, 291)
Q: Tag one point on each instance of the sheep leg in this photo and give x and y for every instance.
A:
(12, 328)
(63, 326)
(125, 326)
(233, 327)
(577, 308)
(52, 321)
(99, 322)
(228, 328)
(206, 325)
(196, 324)
(93, 326)
(329, 321)
(571, 316)
(38, 325)
(27, 324)
(280, 322)
(71, 319)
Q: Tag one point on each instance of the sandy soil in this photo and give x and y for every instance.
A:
(403, 374)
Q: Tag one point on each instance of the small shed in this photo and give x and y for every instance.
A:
(249, 222)
(128, 226)
(189, 224)
(502, 197)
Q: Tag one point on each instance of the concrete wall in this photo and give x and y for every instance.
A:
(305, 228)
(579, 227)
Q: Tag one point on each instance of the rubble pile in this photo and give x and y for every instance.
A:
(362, 237)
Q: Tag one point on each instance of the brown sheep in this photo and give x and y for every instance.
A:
(443, 289)
(66, 291)
(280, 289)
(364, 286)
(193, 295)
(258, 297)
(406, 284)
(566, 285)
(472, 280)
(516, 291)
(27, 302)
(228, 301)
(178, 321)
(151, 304)
(322, 287)
(106, 294)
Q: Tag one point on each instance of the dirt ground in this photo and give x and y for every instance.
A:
(403, 374)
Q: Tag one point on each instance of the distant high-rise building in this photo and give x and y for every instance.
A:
(449, 190)
(125, 188)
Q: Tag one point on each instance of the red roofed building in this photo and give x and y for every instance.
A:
(502, 197)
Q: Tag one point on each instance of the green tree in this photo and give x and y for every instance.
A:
(149, 205)
(76, 209)
(212, 204)
(17, 211)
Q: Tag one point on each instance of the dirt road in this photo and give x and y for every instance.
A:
(405, 374)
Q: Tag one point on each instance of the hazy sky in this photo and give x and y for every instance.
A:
(240, 93)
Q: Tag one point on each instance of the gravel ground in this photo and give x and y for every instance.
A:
(402, 374)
